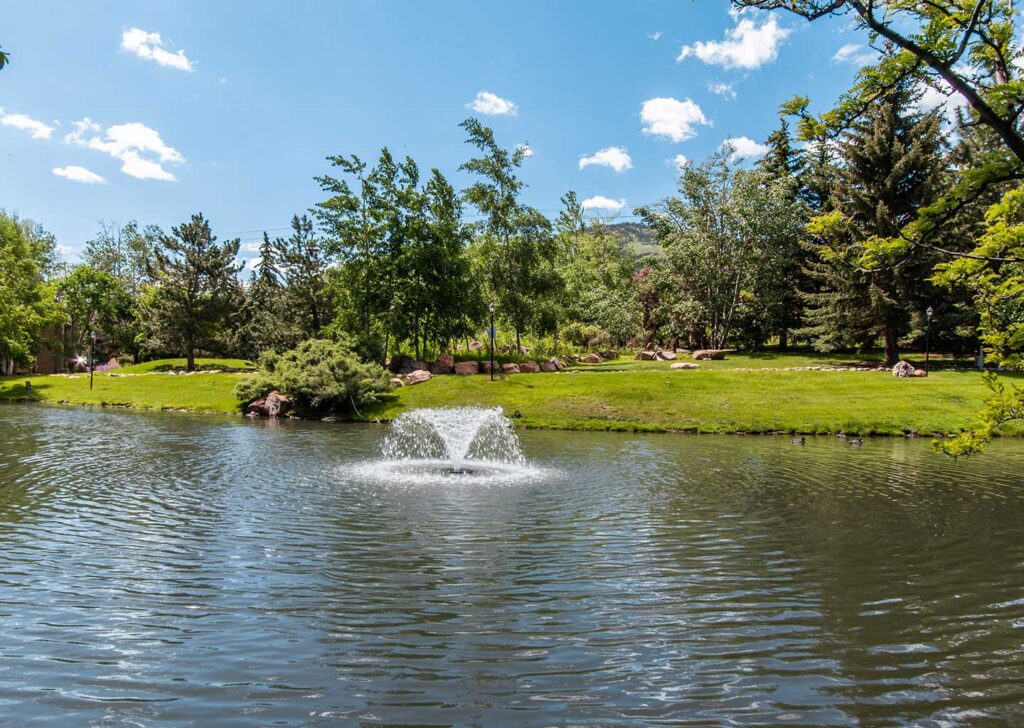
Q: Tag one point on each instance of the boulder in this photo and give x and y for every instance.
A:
(400, 365)
(646, 355)
(421, 366)
(557, 363)
(529, 367)
(685, 365)
(609, 354)
(465, 368)
(475, 346)
(547, 366)
(418, 376)
(510, 368)
(592, 359)
(706, 354)
(278, 404)
(257, 407)
(397, 382)
(445, 364)
(666, 355)
(903, 369)
(920, 373)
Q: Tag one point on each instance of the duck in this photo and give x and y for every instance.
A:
(856, 442)
(798, 440)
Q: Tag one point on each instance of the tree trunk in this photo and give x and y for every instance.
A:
(519, 346)
(892, 353)
(190, 358)
(784, 340)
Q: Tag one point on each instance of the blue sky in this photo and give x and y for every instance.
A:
(230, 108)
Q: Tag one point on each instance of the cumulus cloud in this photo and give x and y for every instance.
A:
(615, 157)
(37, 129)
(721, 88)
(599, 202)
(745, 147)
(855, 54)
(946, 99)
(748, 45)
(492, 104)
(679, 162)
(78, 174)
(139, 148)
(151, 47)
(671, 118)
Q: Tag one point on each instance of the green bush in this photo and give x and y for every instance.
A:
(318, 375)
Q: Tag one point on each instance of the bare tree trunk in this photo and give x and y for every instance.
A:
(892, 354)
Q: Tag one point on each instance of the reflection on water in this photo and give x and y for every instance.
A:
(170, 568)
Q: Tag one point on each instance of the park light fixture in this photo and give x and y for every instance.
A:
(92, 353)
(490, 308)
(929, 312)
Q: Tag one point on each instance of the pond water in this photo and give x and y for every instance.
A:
(177, 569)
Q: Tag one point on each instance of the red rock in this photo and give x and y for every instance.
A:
(705, 354)
(529, 367)
(278, 404)
(445, 364)
(547, 366)
(510, 368)
(465, 368)
(418, 376)
(646, 355)
(592, 359)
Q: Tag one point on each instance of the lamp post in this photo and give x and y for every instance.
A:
(491, 309)
(928, 335)
(92, 362)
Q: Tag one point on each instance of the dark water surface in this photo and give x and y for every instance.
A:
(185, 570)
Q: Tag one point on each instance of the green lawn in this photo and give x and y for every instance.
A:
(726, 396)
(163, 365)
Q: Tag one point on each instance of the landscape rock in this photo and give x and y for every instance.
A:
(277, 404)
(646, 355)
(903, 369)
(445, 364)
(510, 368)
(465, 368)
(685, 365)
(421, 366)
(475, 346)
(418, 376)
(666, 355)
(609, 354)
(706, 354)
(548, 366)
(920, 373)
(400, 365)
(397, 382)
(592, 359)
(529, 367)
(257, 407)
(485, 366)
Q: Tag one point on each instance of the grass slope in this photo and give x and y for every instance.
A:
(713, 400)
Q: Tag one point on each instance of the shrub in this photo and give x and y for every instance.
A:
(318, 375)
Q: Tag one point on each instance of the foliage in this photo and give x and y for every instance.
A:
(319, 374)
(5, 58)
(26, 302)
(94, 301)
(194, 290)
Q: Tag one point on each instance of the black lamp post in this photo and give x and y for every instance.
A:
(491, 309)
(928, 335)
(92, 348)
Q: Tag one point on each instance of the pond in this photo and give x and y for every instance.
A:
(167, 569)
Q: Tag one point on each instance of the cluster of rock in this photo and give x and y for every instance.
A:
(658, 354)
(905, 369)
(410, 371)
(274, 404)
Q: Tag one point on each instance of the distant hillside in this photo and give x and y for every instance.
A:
(636, 238)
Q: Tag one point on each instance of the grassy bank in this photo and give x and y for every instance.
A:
(753, 393)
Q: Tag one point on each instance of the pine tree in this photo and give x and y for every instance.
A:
(194, 291)
(890, 165)
(304, 258)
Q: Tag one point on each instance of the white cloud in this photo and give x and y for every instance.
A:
(679, 162)
(598, 202)
(141, 150)
(78, 174)
(745, 147)
(151, 47)
(656, 35)
(526, 149)
(948, 100)
(671, 118)
(252, 246)
(36, 128)
(854, 54)
(748, 45)
(615, 157)
(721, 88)
(492, 104)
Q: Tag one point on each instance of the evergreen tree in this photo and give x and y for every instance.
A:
(194, 289)
(782, 159)
(304, 258)
(890, 165)
(262, 324)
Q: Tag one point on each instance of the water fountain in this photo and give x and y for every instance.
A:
(468, 444)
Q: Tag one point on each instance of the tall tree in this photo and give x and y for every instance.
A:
(123, 251)
(891, 165)
(26, 303)
(262, 325)
(303, 258)
(194, 289)
(95, 302)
